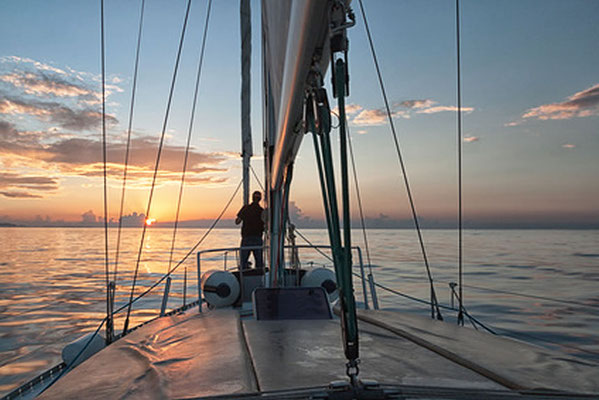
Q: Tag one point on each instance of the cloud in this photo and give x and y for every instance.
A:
(66, 98)
(34, 77)
(568, 146)
(404, 109)
(470, 139)
(14, 185)
(370, 117)
(416, 103)
(89, 217)
(438, 109)
(362, 132)
(55, 113)
(77, 156)
(43, 84)
(20, 195)
(38, 65)
(581, 104)
(376, 117)
(352, 109)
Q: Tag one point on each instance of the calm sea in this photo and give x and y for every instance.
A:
(540, 286)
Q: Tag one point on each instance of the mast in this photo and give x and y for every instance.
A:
(294, 36)
(246, 60)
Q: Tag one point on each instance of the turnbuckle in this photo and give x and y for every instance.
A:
(352, 371)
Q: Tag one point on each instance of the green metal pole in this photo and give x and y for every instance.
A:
(325, 197)
(349, 312)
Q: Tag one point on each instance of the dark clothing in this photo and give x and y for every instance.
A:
(251, 215)
(245, 254)
(251, 233)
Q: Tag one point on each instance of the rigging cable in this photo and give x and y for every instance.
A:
(532, 296)
(459, 139)
(190, 252)
(434, 302)
(67, 367)
(359, 197)
(129, 126)
(164, 125)
(257, 179)
(471, 318)
(109, 326)
(191, 120)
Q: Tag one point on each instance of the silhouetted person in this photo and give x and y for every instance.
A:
(251, 230)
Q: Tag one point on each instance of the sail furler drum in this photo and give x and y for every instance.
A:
(221, 288)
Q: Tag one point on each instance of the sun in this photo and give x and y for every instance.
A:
(150, 221)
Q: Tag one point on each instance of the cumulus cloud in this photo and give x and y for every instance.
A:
(403, 109)
(581, 104)
(88, 217)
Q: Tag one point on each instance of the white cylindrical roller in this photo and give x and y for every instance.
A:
(322, 277)
(70, 353)
(220, 288)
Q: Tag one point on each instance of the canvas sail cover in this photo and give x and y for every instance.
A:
(294, 34)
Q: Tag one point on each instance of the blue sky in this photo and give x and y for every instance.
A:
(530, 91)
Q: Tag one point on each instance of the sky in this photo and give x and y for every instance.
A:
(530, 96)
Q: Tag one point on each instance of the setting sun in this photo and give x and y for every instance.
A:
(150, 221)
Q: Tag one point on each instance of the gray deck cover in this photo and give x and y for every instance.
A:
(295, 354)
(194, 355)
(173, 357)
(519, 365)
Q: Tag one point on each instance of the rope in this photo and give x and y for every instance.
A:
(130, 124)
(193, 109)
(359, 197)
(401, 162)
(168, 107)
(459, 138)
(106, 269)
(190, 252)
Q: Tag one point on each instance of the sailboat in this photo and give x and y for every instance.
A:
(292, 332)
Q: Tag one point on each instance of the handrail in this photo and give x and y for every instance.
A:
(226, 250)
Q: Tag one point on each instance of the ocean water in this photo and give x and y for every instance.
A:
(540, 286)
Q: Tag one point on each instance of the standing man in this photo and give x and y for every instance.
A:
(251, 230)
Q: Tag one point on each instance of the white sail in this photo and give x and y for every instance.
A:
(293, 35)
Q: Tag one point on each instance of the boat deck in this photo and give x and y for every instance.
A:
(216, 353)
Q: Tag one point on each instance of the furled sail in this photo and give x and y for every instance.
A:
(294, 37)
